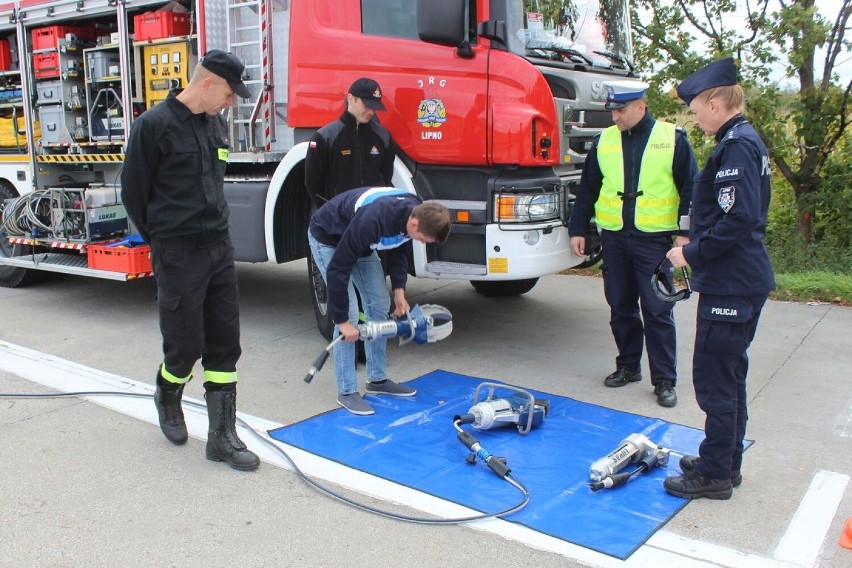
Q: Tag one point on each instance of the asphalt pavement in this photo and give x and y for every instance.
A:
(92, 483)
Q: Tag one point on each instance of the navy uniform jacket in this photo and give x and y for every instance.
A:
(633, 144)
(357, 222)
(729, 208)
(173, 176)
(344, 154)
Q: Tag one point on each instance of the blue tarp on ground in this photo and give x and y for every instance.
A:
(411, 441)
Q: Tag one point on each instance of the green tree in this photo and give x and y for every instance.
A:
(673, 39)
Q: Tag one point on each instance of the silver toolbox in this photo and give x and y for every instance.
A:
(59, 126)
(101, 65)
(60, 92)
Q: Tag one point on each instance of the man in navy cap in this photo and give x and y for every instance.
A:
(730, 270)
(172, 185)
(637, 183)
(354, 150)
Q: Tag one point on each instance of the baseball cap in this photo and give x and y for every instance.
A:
(368, 91)
(620, 93)
(721, 73)
(227, 66)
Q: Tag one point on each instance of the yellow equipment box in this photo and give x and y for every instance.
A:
(165, 66)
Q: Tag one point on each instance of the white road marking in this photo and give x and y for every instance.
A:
(664, 548)
(803, 540)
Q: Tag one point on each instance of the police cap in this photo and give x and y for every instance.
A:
(720, 73)
(620, 93)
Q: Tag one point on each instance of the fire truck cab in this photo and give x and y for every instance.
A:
(492, 115)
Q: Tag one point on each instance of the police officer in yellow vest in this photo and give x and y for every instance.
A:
(637, 183)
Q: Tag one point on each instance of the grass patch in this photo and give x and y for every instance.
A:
(811, 286)
(814, 286)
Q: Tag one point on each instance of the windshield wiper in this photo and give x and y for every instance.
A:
(625, 63)
(567, 53)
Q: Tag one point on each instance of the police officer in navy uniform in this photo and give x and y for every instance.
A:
(172, 186)
(730, 269)
(637, 182)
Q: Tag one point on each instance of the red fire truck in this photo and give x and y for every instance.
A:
(492, 114)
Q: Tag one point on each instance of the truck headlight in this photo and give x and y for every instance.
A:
(526, 208)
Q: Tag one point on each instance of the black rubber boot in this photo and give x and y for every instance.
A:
(222, 441)
(167, 400)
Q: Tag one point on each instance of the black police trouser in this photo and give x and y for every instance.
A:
(198, 297)
(628, 265)
(725, 328)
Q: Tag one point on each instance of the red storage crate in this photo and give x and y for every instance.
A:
(157, 25)
(47, 38)
(5, 55)
(46, 64)
(136, 260)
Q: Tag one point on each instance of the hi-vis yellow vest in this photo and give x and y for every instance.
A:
(658, 199)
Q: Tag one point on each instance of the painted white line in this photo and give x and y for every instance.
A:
(803, 540)
(662, 549)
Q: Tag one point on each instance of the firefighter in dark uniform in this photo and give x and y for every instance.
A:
(730, 269)
(172, 186)
(353, 151)
(637, 182)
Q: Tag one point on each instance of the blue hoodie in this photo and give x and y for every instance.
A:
(356, 223)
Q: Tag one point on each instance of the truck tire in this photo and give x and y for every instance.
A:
(502, 288)
(13, 276)
(319, 298)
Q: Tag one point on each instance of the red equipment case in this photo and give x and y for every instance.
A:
(158, 25)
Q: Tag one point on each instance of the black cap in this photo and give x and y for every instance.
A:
(720, 73)
(368, 91)
(226, 65)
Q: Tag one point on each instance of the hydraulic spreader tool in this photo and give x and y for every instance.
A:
(428, 323)
(521, 410)
(635, 448)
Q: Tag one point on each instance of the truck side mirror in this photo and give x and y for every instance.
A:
(441, 21)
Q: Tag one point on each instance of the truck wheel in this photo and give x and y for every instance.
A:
(12, 276)
(500, 288)
(319, 299)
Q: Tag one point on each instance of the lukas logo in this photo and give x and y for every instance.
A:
(724, 311)
(727, 173)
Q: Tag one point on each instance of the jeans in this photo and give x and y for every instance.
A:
(368, 277)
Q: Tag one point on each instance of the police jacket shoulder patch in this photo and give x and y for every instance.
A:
(726, 197)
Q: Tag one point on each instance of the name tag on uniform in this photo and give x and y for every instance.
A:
(223, 154)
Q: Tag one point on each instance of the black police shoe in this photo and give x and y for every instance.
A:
(666, 395)
(690, 485)
(622, 376)
(688, 463)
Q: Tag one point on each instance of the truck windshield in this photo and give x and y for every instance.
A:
(594, 32)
